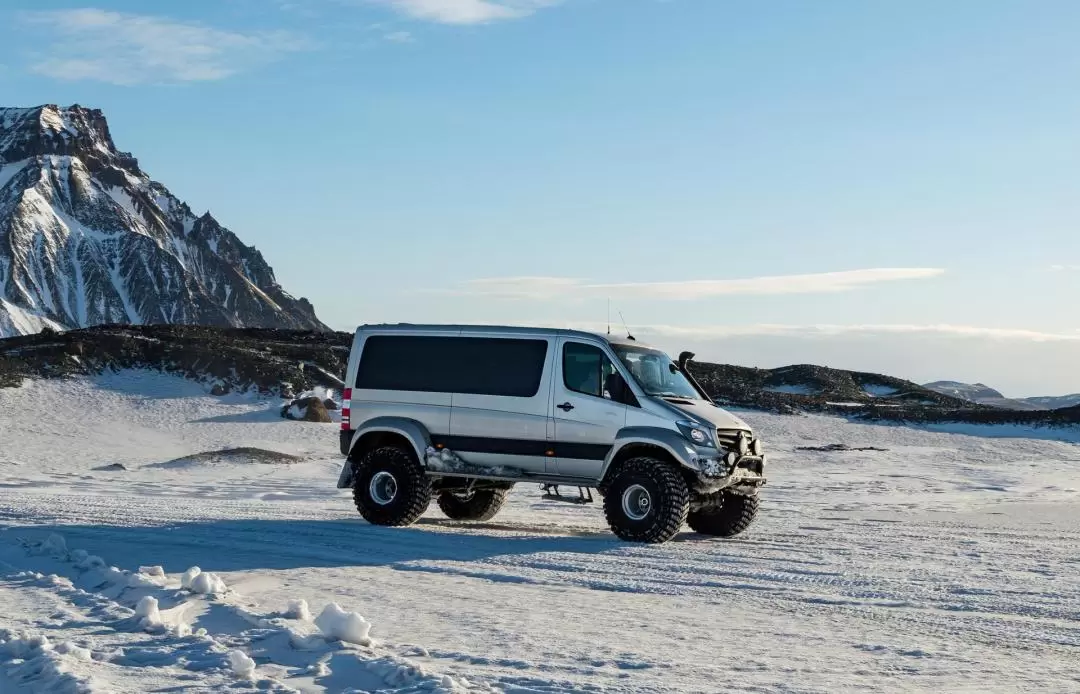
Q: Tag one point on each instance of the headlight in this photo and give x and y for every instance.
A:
(696, 433)
(743, 443)
(756, 447)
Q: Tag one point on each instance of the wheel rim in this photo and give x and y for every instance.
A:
(383, 488)
(636, 502)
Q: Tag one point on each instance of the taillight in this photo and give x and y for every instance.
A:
(346, 404)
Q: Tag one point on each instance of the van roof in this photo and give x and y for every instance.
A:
(505, 329)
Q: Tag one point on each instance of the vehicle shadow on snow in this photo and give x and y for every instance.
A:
(245, 545)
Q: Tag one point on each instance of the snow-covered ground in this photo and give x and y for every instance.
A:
(950, 562)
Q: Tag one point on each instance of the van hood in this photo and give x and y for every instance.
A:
(706, 412)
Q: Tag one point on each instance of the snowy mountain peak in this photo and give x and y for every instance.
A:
(50, 129)
(87, 238)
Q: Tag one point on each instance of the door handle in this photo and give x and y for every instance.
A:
(565, 407)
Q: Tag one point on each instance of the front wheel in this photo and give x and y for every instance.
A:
(646, 500)
(734, 515)
(390, 487)
(477, 505)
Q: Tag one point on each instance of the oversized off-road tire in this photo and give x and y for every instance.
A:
(478, 505)
(390, 487)
(646, 500)
(735, 514)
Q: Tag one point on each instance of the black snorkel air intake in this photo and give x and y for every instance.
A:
(684, 358)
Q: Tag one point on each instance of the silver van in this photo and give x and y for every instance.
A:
(463, 413)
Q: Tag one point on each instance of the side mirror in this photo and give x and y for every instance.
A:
(683, 358)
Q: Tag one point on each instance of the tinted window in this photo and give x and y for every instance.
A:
(585, 369)
(474, 365)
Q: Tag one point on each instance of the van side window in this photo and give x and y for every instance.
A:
(468, 365)
(585, 369)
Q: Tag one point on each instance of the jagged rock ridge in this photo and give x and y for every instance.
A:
(87, 238)
(287, 362)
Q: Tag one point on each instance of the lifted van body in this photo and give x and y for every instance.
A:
(463, 413)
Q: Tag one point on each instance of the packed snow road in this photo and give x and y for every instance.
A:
(947, 562)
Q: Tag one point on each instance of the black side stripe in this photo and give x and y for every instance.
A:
(554, 449)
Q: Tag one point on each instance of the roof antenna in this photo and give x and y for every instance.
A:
(628, 335)
(609, 315)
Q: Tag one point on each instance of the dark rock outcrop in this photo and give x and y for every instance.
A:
(282, 362)
(233, 359)
(310, 409)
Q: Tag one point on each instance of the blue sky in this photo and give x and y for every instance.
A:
(883, 186)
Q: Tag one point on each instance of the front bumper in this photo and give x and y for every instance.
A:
(717, 470)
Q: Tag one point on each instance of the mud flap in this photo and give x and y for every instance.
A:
(346, 477)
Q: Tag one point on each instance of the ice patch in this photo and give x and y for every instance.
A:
(337, 624)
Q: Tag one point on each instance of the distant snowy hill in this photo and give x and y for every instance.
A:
(86, 238)
(985, 395)
(1052, 402)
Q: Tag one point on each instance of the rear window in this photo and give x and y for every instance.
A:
(473, 365)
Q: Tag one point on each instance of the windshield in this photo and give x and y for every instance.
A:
(655, 372)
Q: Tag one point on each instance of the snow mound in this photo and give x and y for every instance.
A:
(155, 571)
(241, 664)
(337, 624)
(189, 576)
(147, 611)
(203, 582)
(33, 662)
(298, 609)
(52, 546)
(75, 651)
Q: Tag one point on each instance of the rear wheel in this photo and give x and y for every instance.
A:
(390, 487)
(734, 514)
(646, 500)
(477, 505)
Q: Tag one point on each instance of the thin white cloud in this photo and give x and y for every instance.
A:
(720, 332)
(466, 11)
(129, 49)
(825, 330)
(399, 37)
(555, 287)
(1065, 268)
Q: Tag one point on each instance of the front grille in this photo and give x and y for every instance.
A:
(727, 438)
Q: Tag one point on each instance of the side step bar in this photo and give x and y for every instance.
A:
(551, 493)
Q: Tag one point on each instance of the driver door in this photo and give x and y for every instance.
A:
(587, 420)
